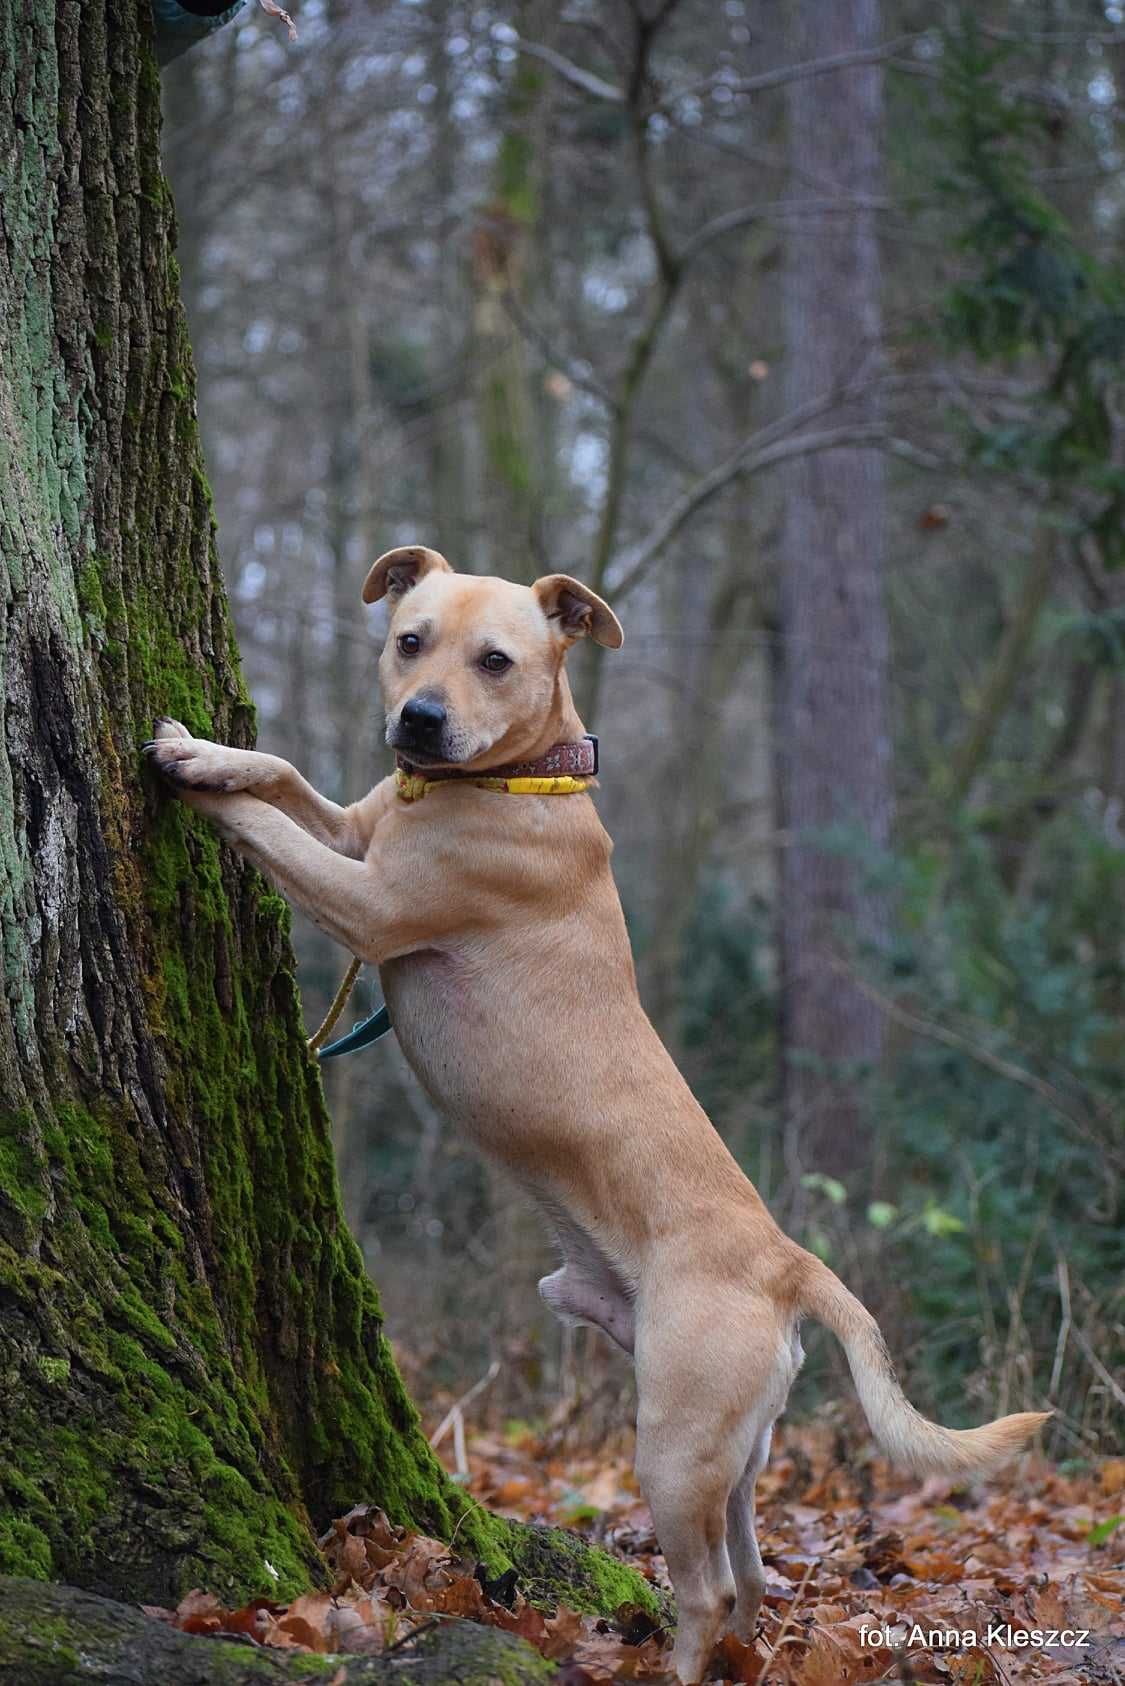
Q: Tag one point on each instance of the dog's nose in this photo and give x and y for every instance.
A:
(424, 715)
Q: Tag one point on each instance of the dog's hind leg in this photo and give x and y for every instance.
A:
(686, 1471)
(694, 1437)
(742, 1540)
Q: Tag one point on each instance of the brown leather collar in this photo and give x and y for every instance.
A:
(579, 760)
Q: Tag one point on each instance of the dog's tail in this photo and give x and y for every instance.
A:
(903, 1434)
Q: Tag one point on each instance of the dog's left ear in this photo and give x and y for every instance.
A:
(580, 612)
(397, 571)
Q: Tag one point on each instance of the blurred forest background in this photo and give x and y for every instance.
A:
(799, 332)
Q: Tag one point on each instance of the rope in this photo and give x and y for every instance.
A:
(339, 1002)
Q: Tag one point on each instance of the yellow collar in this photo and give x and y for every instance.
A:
(566, 769)
(411, 787)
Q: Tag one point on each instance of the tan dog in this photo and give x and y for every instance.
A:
(496, 926)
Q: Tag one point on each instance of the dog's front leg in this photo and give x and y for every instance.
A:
(200, 765)
(344, 897)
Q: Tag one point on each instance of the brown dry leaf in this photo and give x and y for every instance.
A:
(1113, 1476)
(739, 1662)
(361, 1543)
(604, 1657)
(604, 1490)
(308, 1621)
(935, 1566)
(1049, 1606)
(420, 1572)
(361, 1626)
(525, 1621)
(461, 1596)
(275, 11)
(256, 1619)
(826, 1615)
(562, 1633)
(199, 1612)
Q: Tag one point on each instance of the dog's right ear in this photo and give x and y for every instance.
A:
(398, 571)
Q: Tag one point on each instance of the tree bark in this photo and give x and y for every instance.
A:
(55, 1636)
(192, 1363)
(834, 733)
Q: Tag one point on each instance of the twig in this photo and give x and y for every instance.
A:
(407, 1638)
(1064, 1328)
(1098, 1367)
(450, 1420)
(460, 1455)
(984, 1056)
(572, 73)
(742, 461)
(785, 74)
(474, 1504)
(339, 1002)
(789, 1614)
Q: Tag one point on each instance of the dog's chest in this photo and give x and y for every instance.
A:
(446, 1026)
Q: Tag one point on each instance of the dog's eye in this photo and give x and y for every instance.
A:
(495, 661)
(409, 644)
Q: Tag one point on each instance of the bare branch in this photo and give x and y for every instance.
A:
(1048, 1093)
(785, 74)
(745, 216)
(572, 73)
(576, 372)
(746, 459)
(780, 441)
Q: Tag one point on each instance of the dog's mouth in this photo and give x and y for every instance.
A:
(420, 757)
(451, 747)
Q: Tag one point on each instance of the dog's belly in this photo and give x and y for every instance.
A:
(556, 1073)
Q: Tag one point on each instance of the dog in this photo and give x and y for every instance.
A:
(478, 880)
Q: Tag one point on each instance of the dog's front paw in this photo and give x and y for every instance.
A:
(195, 763)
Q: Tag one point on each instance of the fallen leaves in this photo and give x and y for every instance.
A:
(857, 1589)
(388, 1582)
(1030, 1549)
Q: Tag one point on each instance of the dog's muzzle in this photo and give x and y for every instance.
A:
(421, 727)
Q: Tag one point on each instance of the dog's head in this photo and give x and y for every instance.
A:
(472, 670)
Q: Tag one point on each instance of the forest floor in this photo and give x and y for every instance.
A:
(869, 1576)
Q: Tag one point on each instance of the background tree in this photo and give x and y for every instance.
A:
(834, 732)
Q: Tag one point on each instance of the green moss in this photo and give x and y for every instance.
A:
(22, 1185)
(88, 585)
(555, 1565)
(24, 1550)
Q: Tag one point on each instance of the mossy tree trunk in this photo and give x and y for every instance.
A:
(192, 1367)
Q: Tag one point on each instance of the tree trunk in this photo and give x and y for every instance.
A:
(503, 251)
(833, 727)
(191, 1358)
